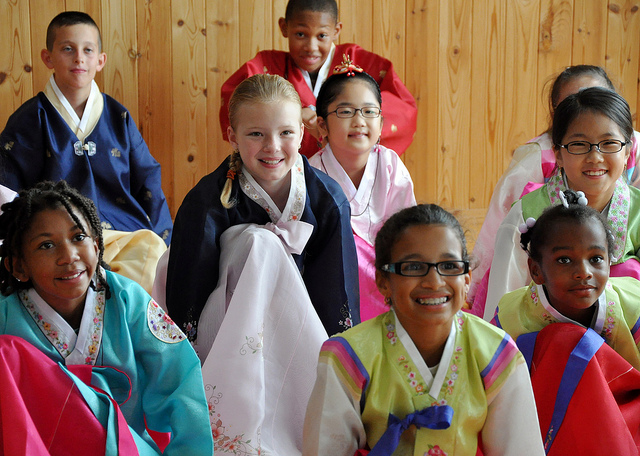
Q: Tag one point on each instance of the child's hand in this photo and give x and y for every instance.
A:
(310, 121)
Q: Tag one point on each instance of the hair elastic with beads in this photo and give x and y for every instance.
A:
(347, 66)
(581, 199)
(527, 225)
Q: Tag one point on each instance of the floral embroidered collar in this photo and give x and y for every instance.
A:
(539, 297)
(617, 213)
(81, 348)
(297, 194)
(416, 364)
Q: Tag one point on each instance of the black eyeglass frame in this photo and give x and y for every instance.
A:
(396, 268)
(355, 111)
(597, 146)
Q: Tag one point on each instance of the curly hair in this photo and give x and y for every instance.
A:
(17, 217)
(535, 238)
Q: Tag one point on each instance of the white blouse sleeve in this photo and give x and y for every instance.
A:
(509, 269)
(525, 167)
(512, 426)
(333, 425)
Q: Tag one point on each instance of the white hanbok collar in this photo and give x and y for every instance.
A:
(78, 125)
(361, 198)
(295, 202)
(323, 73)
(433, 383)
(287, 225)
(81, 348)
(598, 321)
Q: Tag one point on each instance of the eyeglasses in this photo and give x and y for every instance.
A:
(608, 146)
(368, 112)
(421, 268)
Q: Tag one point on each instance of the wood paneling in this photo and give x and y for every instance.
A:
(478, 70)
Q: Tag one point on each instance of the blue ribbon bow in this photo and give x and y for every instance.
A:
(434, 417)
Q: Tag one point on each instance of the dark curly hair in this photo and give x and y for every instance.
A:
(17, 217)
(422, 214)
(536, 238)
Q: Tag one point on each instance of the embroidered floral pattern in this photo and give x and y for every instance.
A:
(346, 321)
(57, 339)
(536, 301)
(225, 443)
(61, 345)
(435, 450)
(452, 375)
(554, 186)
(252, 345)
(161, 325)
(405, 365)
(609, 321)
(618, 216)
(391, 335)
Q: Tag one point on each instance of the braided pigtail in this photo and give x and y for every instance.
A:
(235, 167)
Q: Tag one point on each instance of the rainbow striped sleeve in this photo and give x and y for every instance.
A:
(635, 332)
(338, 354)
(501, 363)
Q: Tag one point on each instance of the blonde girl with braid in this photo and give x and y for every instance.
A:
(262, 258)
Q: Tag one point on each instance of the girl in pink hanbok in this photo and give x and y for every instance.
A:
(372, 176)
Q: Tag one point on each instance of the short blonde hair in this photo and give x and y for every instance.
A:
(259, 88)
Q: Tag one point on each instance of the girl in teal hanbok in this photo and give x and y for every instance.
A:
(89, 363)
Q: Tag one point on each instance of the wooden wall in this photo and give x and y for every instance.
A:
(476, 68)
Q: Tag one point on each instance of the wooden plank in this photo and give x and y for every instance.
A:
(278, 10)
(15, 58)
(422, 79)
(255, 31)
(189, 100)
(589, 32)
(356, 17)
(222, 61)
(471, 221)
(623, 47)
(554, 48)
(520, 78)
(40, 15)
(155, 75)
(120, 73)
(454, 103)
(389, 36)
(487, 91)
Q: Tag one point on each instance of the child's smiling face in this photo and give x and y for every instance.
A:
(431, 300)
(75, 57)
(594, 173)
(574, 267)
(59, 260)
(268, 136)
(352, 136)
(310, 35)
